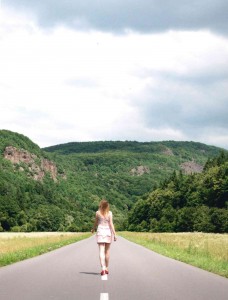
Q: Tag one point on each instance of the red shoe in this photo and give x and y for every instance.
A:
(103, 272)
(106, 272)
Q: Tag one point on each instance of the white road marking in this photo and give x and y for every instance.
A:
(104, 296)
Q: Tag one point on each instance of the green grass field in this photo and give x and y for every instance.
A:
(19, 246)
(207, 251)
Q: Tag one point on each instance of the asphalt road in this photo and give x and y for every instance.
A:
(136, 273)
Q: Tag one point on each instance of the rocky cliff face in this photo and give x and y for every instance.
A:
(35, 166)
(191, 167)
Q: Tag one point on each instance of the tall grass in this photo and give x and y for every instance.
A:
(204, 250)
(19, 246)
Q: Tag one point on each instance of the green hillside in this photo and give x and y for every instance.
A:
(59, 187)
(197, 202)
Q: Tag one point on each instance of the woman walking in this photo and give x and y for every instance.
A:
(105, 231)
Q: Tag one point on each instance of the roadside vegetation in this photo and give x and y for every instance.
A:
(15, 247)
(207, 251)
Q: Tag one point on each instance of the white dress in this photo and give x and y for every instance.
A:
(104, 232)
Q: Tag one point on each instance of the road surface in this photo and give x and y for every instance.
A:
(73, 272)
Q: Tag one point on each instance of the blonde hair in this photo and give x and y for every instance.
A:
(104, 207)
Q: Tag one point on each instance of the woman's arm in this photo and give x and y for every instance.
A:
(112, 227)
(95, 224)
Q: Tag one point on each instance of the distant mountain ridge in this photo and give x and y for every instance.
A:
(187, 150)
(64, 193)
(163, 147)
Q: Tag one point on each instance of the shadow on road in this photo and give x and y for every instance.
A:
(89, 273)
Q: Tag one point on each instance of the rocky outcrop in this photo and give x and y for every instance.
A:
(16, 156)
(36, 167)
(140, 170)
(50, 167)
(190, 167)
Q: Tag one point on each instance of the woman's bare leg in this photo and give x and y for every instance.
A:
(107, 254)
(102, 255)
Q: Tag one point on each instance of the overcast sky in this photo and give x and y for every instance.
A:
(86, 70)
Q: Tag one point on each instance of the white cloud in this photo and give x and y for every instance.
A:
(62, 85)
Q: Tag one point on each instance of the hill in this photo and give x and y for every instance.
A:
(59, 187)
(171, 148)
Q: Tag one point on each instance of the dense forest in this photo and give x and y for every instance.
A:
(59, 188)
(196, 202)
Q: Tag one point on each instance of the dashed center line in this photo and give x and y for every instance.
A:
(104, 296)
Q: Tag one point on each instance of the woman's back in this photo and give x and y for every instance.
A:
(104, 220)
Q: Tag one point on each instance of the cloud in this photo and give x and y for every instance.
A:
(185, 106)
(186, 85)
(60, 84)
(196, 112)
(119, 16)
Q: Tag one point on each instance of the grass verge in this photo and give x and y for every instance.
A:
(204, 250)
(17, 247)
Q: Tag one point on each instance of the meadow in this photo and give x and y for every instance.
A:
(207, 251)
(19, 246)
